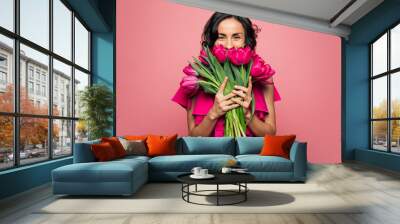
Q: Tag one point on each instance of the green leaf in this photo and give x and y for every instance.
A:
(204, 71)
(248, 72)
(236, 72)
(228, 71)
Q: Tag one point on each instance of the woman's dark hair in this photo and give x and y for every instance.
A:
(210, 31)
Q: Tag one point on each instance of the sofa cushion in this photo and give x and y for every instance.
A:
(249, 145)
(257, 163)
(207, 145)
(185, 163)
(111, 171)
(159, 145)
(116, 145)
(277, 145)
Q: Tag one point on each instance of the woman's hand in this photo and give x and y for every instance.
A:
(222, 104)
(244, 99)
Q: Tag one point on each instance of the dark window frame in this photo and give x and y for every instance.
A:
(16, 114)
(388, 74)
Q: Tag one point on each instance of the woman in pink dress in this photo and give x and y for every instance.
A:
(205, 112)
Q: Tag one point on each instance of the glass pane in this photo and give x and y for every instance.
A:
(395, 136)
(62, 138)
(395, 94)
(81, 45)
(62, 29)
(6, 74)
(81, 131)
(7, 14)
(379, 100)
(34, 97)
(62, 89)
(81, 81)
(6, 142)
(379, 135)
(395, 47)
(35, 21)
(33, 139)
(379, 55)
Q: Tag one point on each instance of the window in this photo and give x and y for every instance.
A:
(7, 14)
(30, 72)
(3, 61)
(3, 78)
(38, 74)
(81, 45)
(45, 105)
(43, 77)
(3, 72)
(34, 21)
(385, 94)
(38, 89)
(43, 90)
(30, 87)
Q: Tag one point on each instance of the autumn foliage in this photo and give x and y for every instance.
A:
(380, 127)
(33, 131)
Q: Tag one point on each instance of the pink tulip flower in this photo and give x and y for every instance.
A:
(240, 56)
(220, 53)
(260, 71)
(202, 57)
(190, 84)
(188, 70)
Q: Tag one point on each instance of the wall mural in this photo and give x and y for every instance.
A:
(228, 90)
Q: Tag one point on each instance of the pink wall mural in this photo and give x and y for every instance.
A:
(155, 40)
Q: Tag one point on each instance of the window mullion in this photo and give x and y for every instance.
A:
(73, 82)
(16, 85)
(50, 79)
(388, 95)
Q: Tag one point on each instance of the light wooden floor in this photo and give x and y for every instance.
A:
(378, 188)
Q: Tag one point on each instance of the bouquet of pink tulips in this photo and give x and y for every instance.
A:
(210, 69)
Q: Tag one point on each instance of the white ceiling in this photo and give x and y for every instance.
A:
(326, 16)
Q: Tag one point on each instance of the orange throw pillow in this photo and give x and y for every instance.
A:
(277, 145)
(135, 137)
(116, 145)
(161, 145)
(103, 151)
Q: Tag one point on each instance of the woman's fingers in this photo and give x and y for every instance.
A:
(239, 93)
(238, 100)
(230, 107)
(223, 85)
(244, 89)
(228, 96)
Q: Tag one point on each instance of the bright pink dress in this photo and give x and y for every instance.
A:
(204, 101)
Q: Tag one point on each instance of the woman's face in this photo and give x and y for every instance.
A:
(230, 34)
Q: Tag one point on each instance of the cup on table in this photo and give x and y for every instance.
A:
(203, 172)
(196, 171)
(226, 170)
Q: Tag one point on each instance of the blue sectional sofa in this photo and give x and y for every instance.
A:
(125, 176)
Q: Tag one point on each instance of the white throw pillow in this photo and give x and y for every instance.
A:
(134, 147)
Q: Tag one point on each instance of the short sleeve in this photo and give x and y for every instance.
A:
(277, 96)
(182, 98)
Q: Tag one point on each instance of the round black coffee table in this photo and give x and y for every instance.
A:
(238, 179)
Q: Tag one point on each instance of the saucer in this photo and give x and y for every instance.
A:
(208, 176)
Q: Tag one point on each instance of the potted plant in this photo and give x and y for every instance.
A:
(96, 102)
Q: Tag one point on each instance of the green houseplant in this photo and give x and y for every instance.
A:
(96, 102)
